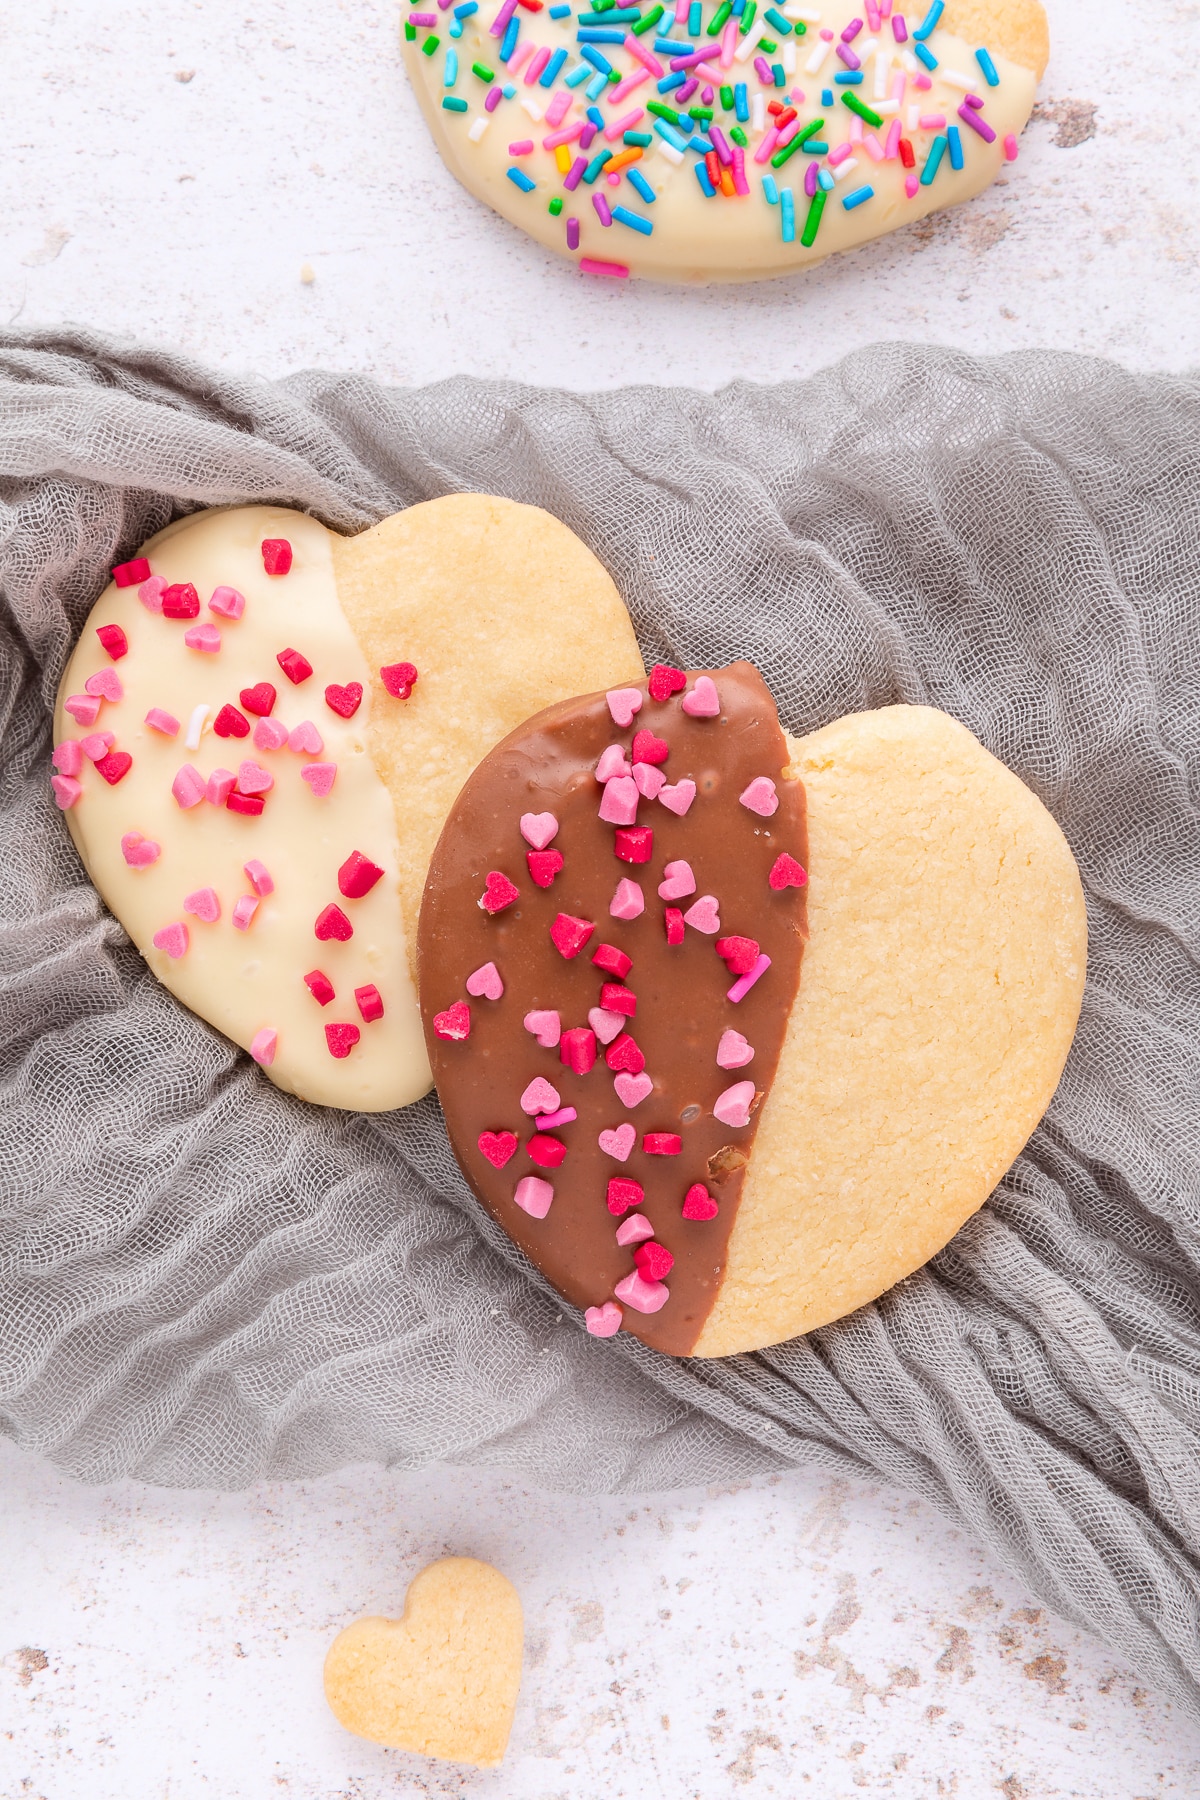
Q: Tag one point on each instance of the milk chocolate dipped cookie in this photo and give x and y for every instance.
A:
(260, 733)
(732, 1031)
(704, 140)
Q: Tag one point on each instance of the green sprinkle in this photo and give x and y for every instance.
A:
(748, 16)
(410, 33)
(865, 113)
(452, 104)
(556, 205)
(703, 113)
(719, 17)
(798, 142)
(641, 138)
(739, 137)
(430, 45)
(800, 28)
(649, 22)
(603, 5)
(816, 207)
(727, 98)
(767, 45)
(483, 72)
(663, 112)
(614, 75)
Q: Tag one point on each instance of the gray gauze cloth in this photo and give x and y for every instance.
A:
(206, 1281)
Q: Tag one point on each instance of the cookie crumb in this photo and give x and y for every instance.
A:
(307, 274)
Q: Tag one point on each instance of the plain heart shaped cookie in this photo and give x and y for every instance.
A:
(499, 609)
(442, 1680)
(806, 1130)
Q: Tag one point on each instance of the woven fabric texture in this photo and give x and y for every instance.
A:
(203, 1281)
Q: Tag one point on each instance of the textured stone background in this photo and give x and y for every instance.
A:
(172, 171)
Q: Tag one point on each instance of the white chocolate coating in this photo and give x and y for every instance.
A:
(695, 238)
(245, 981)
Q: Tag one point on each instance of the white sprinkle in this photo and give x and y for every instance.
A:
(749, 43)
(792, 11)
(867, 48)
(478, 128)
(533, 109)
(883, 68)
(196, 726)
(818, 56)
(910, 62)
(758, 113)
(843, 169)
(787, 57)
(884, 107)
(914, 117)
(957, 79)
(670, 152)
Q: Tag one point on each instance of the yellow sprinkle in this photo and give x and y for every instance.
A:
(562, 157)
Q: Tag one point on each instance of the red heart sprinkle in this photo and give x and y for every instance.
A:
(547, 1152)
(673, 920)
(649, 749)
(498, 893)
(786, 872)
(249, 804)
(569, 934)
(633, 843)
(612, 961)
(399, 679)
(623, 1193)
(258, 699)
(698, 1203)
(229, 722)
(341, 1039)
(653, 1261)
(662, 1143)
(617, 998)
(319, 986)
(739, 954)
(498, 1146)
(181, 601)
(577, 1049)
(115, 766)
(358, 875)
(665, 681)
(345, 701)
(369, 1002)
(454, 1023)
(297, 668)
(114, 641)
(544, 865)
(333, 923)
(625, 1055)
(128, 574)
(277, 560)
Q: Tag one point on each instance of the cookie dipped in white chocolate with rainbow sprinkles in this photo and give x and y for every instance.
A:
(721, 140)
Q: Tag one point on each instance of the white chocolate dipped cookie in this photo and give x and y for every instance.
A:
(721, 140)
(259, 735)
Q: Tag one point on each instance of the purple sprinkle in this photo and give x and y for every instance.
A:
(572, 234)
(693, 57)
(852, 30)
(848, 57)
(720, 144)
(494, 97)
(422, 18)
(684, 94)
(499, 24)
(810, 180)
(970, 117)
(587, 134)
(744, 983)
(899, 28)
(972, 100)
(571, 182)
(762, 69)
(601, 206)
(707, 96)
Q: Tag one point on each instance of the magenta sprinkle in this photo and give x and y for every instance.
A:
(523, 147)
(571, 182)
(494, 97)
(763, 70)
(605, 218)
(973, 100)
(572, 234)
(848, 57)
(744, 983)
(852, 30)
(810, 180)
(740, 184)
(970, 117)
(899, 28)
(422, 18)
(706, 96)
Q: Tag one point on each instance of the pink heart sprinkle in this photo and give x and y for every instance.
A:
(270, 734)
(188, 786)
(259, 877)
(83, 708)
(97, 744)
(485, 983)
(733, 1052)
(619, 1142)
(254, 779)
(628, 902)
(760, 797)
(244, 910)
(203, 637)
(533, 1195)
(105, 683)
(227, 602)
(166, 722)
(67, 757)
(703, 702)
(619, 803)
(66, 791)
(204, 904)
(545, 1026)
(540, 1097)
(677, 799)
(320, 777)
(173, 939)
(305, 739)
(679, 881)
(623, 703)
(636, 1229)
(151, 593)
(262, 1046)
(539, 829)
(643, 1296)
(649, 780)
(632, 1089)
(703, 916)
(139, 852)
(733, 1106)
(612, 762)
(606, 1025)
(604, 1321)
(220, 786)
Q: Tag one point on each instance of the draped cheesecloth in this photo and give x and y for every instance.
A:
(203, 1281)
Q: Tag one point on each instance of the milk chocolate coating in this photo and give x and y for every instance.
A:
(548, 765)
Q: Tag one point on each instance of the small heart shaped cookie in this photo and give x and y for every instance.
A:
(443, 1679)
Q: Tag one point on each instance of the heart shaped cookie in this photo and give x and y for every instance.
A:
(325, 723)
(823, 1066)
(442, 1680)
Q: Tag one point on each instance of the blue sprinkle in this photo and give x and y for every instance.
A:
(549, 74)
(593, 35)
(847, 78)
(924, 54)
(929, 22)
(672, 81)
(815, 148)
(741, 102)
(694, 19)
(826, 96)
(857, 198)
(739, 7)
(638, 180)
(522, 180)
(466, 9)
(825, 180)
(770, 191)
(702, 178)
(597, 117)
(453, 105)
(778, 73)
(783, 26)
(672, 47)
(456, 28)
(616, 15)
(594, 167)
(580, 73)
(932, 162)
(954, 138)
(990, 72)
(510, 39)
(634, 220)
(701, 144)
(509, 90)
(450, 70)
(597, 58)
(787, 215)
(559, 12)
(596, 86)
(669, 135)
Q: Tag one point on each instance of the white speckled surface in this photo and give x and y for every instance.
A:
(167, 172)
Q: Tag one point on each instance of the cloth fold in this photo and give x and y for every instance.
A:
(203, 1281)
